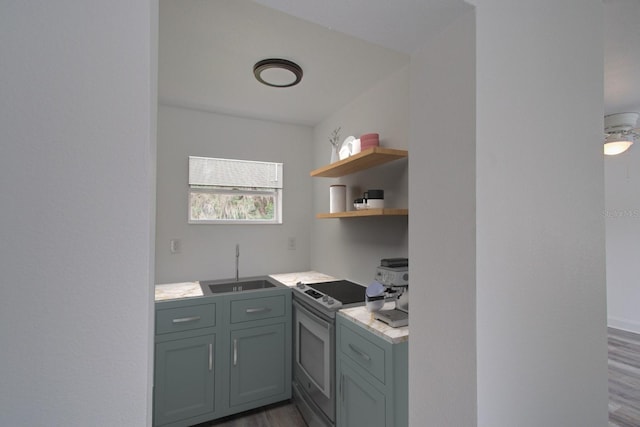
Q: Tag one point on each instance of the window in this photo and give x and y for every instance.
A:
(226, 191)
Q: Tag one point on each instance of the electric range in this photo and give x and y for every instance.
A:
(329, 297)
(314, 346)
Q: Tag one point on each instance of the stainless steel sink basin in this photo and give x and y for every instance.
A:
(224, 286)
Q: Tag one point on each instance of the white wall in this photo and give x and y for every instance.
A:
(352, 248)
(442, 354)
(537, 315)
(208, 251)
(541, 310)
(622, 180)
(77, 120)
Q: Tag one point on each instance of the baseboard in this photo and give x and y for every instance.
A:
(624, 325)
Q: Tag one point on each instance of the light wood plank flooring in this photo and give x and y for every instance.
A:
(284, 414)
(624, 379)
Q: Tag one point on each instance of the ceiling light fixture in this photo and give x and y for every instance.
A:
(620, 132)
(277, 72)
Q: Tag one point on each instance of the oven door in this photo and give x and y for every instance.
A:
(314, 357)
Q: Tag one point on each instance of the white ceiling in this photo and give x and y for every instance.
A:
(401, 25)
(207, 50)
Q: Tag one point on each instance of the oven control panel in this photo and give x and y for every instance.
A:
(307, 293)
(313, 294)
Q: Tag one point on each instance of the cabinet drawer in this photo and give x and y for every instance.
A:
(363, 352)
(185, 318)
(246, 310)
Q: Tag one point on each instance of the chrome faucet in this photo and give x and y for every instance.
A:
(237, 262)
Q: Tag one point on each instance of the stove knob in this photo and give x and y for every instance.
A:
(331, 301)
(325, 298)
(300, 285)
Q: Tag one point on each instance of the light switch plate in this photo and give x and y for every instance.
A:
(291, 243)
(174, 246)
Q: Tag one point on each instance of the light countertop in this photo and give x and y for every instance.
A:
(364, 318)
(358, 315)
(290, 279)
(170, 291)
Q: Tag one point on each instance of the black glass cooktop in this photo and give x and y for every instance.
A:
(341, 290)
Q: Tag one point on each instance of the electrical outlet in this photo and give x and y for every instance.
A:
(291, 243)
(174, 246)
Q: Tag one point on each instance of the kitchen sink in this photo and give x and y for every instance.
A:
(224, 286)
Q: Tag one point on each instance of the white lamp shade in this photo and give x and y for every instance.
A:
(616, 147)
(620, 132)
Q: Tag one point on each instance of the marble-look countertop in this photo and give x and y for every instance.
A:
(364, 318)
(290, 279)
(178, 290)
(358, 315)
(169, 291)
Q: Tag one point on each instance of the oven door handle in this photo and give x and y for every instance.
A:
(312, 316)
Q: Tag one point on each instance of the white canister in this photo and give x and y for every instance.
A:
(355, 146)
(337, 198)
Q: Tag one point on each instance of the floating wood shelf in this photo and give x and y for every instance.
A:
(363, 160)
(365, 212)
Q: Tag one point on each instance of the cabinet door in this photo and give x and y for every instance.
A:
(360, 404)
(184, 379)
(258, 363)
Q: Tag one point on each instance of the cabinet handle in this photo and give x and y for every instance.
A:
(186, 319)
(210, 357)
(360, 353)
(235, 352)
(258, 310)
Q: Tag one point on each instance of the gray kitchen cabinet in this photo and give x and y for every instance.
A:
(219, 355)
(361, 404)
(258, 364)
(372, 378)
(259, 349)
(184, 379)
(185, 361)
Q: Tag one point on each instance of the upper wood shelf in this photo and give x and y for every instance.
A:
(363, 160)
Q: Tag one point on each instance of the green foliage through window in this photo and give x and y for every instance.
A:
(232, 206)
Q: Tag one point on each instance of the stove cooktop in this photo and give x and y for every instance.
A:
(342, 290)
(332, 295)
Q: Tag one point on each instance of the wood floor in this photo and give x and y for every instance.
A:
(624, 392)
(624, 379)
(284, 414)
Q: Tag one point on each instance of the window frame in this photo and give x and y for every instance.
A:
(223, 176)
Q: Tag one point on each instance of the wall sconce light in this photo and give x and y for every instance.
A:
(620, 132)
(277, 72)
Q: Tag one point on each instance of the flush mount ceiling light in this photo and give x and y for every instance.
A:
(277, 72)
(620, 132)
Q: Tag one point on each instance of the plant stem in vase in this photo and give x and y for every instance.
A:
(334, 139)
